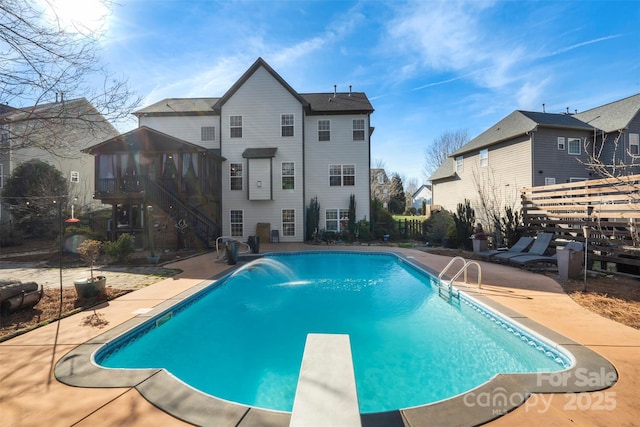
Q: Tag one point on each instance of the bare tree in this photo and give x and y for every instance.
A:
(438, 151)
(43, 64)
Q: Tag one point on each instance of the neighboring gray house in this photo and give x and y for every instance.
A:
(55, 133)
(534, 148)
(422, 194)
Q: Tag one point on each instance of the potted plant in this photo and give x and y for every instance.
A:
(479, 239)
(93, 285)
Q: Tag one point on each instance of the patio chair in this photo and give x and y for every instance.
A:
(519, 247)
(526, 259)
(539, 247)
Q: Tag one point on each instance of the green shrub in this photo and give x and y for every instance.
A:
(83, 230)
(436, 228)
(464, 219)
(122, 249)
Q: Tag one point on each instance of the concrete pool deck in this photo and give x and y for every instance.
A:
(31, 395)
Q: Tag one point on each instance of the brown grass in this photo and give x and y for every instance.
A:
(612, 296)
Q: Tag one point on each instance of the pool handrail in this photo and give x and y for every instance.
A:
(464, 269)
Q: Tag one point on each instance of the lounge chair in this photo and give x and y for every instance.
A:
(539, 247)
(519, 247)
(526, 259)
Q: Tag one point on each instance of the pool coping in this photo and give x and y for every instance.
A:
(498, 396)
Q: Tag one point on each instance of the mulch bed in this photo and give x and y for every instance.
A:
(48, 310)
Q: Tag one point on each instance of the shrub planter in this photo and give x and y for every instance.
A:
(480, 245)
(90, 287)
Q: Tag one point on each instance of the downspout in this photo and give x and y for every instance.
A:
(304, 181)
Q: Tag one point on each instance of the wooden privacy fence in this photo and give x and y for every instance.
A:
(609, 209)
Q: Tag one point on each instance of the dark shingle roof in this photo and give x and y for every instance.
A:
(519, 123)
(259, 153)
(353, 102)
(315, 103)
(144, 139)
(179, 106)
(613, 116)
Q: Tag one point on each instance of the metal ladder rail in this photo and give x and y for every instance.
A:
(448, 289)
(464, 270)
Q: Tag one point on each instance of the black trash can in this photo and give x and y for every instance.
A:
(254, 244)
(231, 250)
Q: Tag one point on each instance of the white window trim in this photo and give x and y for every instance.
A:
(561, 143)
(231, 223)
(324, 130)
(231, 127)
(283, 126)
(232, 177)
(358, 130)
(569, 141)
(484, 157)
(284, 233)
(549, 181)
(341, 213)
(76, 175)
(283, 176)
(459, 163)
(342, 174)
(634, 140)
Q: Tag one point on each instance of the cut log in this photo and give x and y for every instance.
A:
(9, 289)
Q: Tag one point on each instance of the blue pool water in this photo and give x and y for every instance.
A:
(243, 338)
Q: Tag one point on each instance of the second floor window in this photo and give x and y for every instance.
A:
(484, 157)
(208, 133)
(459, 164)
(634, 144)
(549, 181)
(287, 124)
(324, 130)
(75, 176)
(561, 143)
(358, 130)
(235, 174)
(573, 146)
(288, 176)
(342, 175)
(235, 126)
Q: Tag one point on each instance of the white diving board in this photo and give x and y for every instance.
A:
(326, 394)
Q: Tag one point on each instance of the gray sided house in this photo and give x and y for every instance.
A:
(237, 164)
(534, 148)
(55, 133)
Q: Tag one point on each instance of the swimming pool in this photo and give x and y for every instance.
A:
(410, 347)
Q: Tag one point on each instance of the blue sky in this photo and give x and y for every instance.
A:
(428, 67)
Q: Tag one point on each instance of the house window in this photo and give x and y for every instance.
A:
(288, 222)
(634, 144)
(561, 143)
(75, 176)
(380, 179)
(358, 130)
(336, 219)
(484, 157)
(459, 164)
(573, 146)
(549, 181)
(342, 175)
(235, 126)
(348, 175)
(288, 176)
(235, 172)
(324, 130)
(208, 133)
(237, 227)
(286, 121)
